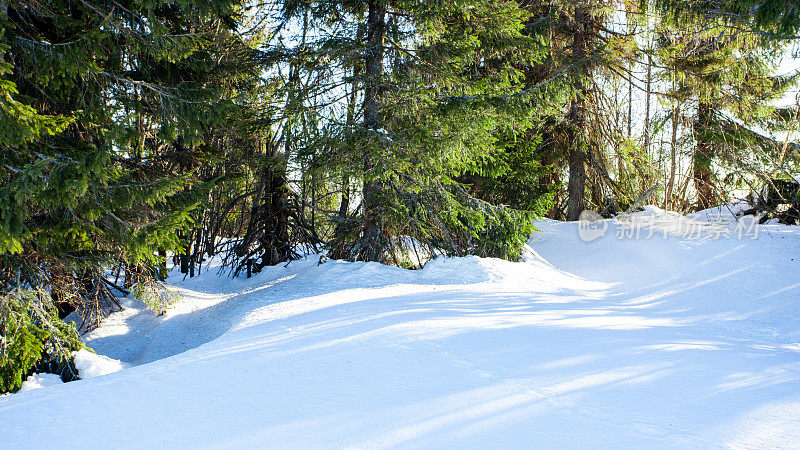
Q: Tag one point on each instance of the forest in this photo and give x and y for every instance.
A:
(141, 135)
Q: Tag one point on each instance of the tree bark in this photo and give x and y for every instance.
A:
(577, 143)
(162, 264)
(704, 152)
(630, 105)
(672, 156)
(372, 248)
(184, 257)
(647, 107)
(344, 204)
(266, 241)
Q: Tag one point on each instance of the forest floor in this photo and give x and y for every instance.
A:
(671, 338)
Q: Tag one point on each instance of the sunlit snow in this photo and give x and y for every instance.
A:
(663, 342)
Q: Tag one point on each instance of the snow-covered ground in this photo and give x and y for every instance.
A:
(677, 341)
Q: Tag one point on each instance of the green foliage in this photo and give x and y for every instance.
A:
(106, 120)
(637, 172)
(439, 219)
(19, 123)
(31, 333)
(111, 118)
(515, 175)
(722, 65)
(152, 293)
(772, 19)
(454, 92)
(486, 230)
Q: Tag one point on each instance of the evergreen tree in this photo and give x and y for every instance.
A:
(725, 75)
(30, 330)
(422, 71)
(103, 107)
(585, 54)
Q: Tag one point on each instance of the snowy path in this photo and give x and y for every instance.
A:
(615, 343)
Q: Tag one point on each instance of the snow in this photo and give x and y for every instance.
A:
(666, 340)
(728, 212)
(92, 365)
(38, 381)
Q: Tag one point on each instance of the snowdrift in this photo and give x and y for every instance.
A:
(666, 340)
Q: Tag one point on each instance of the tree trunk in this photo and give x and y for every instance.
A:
(704, 152)
(647, 108)
(630, 105)
(672, 156)
(277, 243)
(266, 240)
(577, 142)
(630, 91)
(339, 251)
(372, 248)
(162, 264)
(184, 258)
(344, 204)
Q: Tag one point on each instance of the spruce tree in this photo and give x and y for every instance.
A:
(104, 109)
(30, 330)
(725, 75)
(418, 74)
